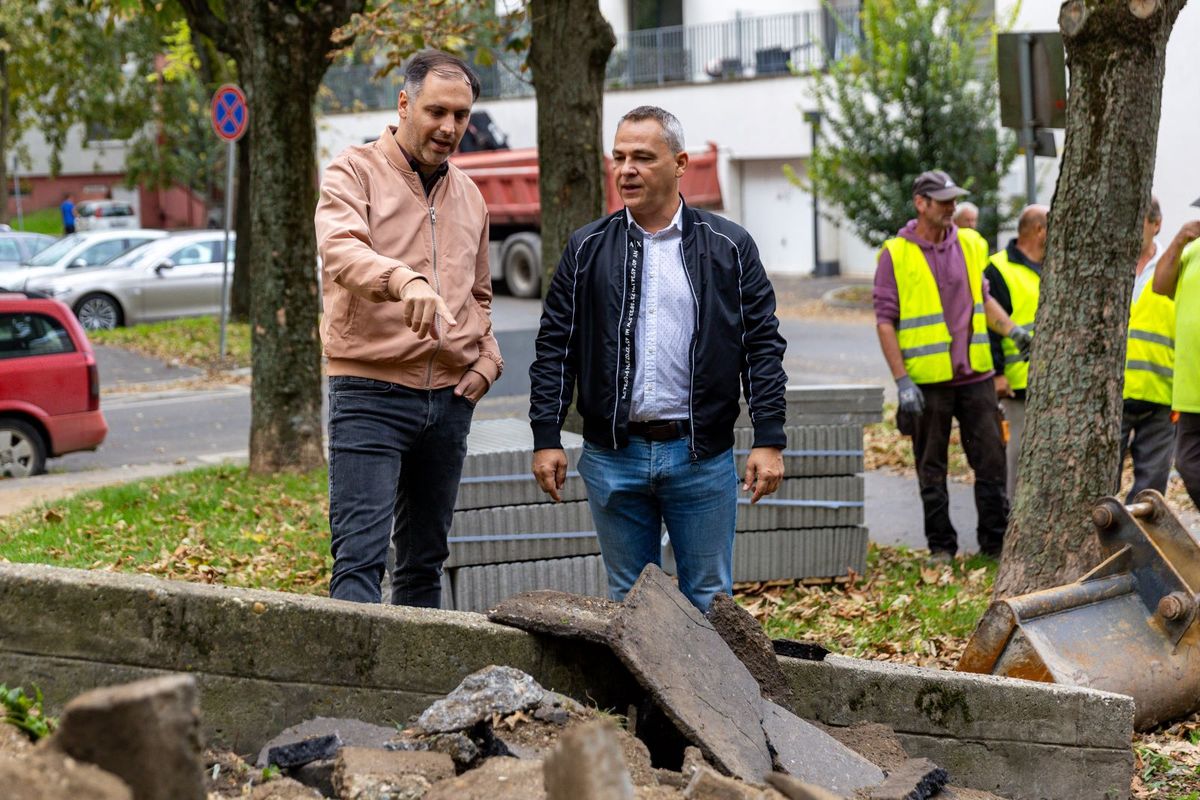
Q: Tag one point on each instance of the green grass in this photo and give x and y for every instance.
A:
(902, 609)
(190, 342)
(46, 220)
(216, 525)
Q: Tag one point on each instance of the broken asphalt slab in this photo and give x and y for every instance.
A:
(677, 655)
(555, 613)
(813, 756)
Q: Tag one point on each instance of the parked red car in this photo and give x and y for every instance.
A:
(49, 385)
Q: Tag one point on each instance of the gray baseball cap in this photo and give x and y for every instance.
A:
(938, 185)
(1196, 202)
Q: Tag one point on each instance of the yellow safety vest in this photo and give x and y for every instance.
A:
(1186, 394)
(1024, 287)
(922, 332)
(1150, 348)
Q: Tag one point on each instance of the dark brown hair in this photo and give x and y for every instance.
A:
(443, 65)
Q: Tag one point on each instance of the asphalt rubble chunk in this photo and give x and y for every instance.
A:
(716, 680)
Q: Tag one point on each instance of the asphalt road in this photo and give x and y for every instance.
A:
(172, 425)
(171, 428)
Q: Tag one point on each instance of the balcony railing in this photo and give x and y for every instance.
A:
(746, 47)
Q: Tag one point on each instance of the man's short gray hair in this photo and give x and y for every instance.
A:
(672, 130)
(965, 208)
(1154, 213)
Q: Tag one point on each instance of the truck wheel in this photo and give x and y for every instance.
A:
(522, 261)
(22, 451)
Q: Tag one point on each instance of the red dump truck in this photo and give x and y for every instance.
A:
(508, 180)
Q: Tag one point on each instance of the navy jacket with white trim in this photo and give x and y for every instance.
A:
(587, 336)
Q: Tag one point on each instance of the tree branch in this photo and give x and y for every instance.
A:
(1073, 16)
(1142, 9)
(203, 19)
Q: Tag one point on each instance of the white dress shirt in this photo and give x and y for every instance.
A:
(666, 323)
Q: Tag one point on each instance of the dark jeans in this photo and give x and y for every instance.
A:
(974, 406)
(1148, 434)
(395, 459)
(1187, 453)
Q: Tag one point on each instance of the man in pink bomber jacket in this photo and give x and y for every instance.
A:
(407, 331)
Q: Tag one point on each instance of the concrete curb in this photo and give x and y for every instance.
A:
(267, 660)
(1016, 738)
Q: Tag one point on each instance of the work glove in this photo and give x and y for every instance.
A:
(912, 401)
(1023, 339)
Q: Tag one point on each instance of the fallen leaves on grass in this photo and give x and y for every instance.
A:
(1167, 762)
(902, 610)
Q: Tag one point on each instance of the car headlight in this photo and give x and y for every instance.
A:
(54, 291)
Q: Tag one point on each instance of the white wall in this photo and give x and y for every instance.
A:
(698, 12)
(76, 158)
(778, 215)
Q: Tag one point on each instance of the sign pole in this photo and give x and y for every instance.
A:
(17, 195)
(1025, 67)
(230, 151)
(230, 116)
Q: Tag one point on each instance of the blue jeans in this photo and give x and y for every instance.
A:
(395, 459)
(634, 490)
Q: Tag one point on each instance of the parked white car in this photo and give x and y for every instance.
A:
(174, 276)
(105, 215)
(79, 251)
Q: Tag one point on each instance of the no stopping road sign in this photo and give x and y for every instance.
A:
(229, 113)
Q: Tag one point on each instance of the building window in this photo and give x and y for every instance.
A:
(645, 14)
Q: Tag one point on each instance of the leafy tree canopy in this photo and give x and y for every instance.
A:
(919, 93)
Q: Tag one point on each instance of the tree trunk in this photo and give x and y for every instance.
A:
(1116, 55)
(5, 112)
(280, 48)
(239, 301)
(569, 47)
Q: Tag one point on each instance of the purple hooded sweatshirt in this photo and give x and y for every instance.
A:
(949, 268)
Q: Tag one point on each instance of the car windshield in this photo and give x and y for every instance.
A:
(55, 251)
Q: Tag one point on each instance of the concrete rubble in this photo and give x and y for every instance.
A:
(147, 733)
(711, 722)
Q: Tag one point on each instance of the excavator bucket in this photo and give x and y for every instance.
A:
(1128, 626)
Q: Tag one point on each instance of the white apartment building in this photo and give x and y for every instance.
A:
(720, 66)
(717, 65)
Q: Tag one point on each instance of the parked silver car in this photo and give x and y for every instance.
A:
(176, 276)
(74, 253)
(104, 215)
(16, 248)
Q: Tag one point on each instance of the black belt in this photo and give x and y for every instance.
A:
(661, 430)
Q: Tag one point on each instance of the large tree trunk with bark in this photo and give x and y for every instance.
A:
(1116, 53)
(239, 300)
(5, 116)
(570, 42)
(280, 48)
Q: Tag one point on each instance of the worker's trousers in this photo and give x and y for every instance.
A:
(1187, 453)
(1149, 436)
(974, 406)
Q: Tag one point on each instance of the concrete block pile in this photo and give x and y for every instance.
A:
(508, 538)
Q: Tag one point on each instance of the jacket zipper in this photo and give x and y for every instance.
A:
(620, 325)
(437, 288)
(695, 336)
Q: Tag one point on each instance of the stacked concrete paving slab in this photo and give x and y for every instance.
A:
(507, 538)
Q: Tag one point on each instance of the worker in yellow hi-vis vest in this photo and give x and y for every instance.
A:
(1014, 277)
(1178, 276)
(933, 313)
(1147, 432)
